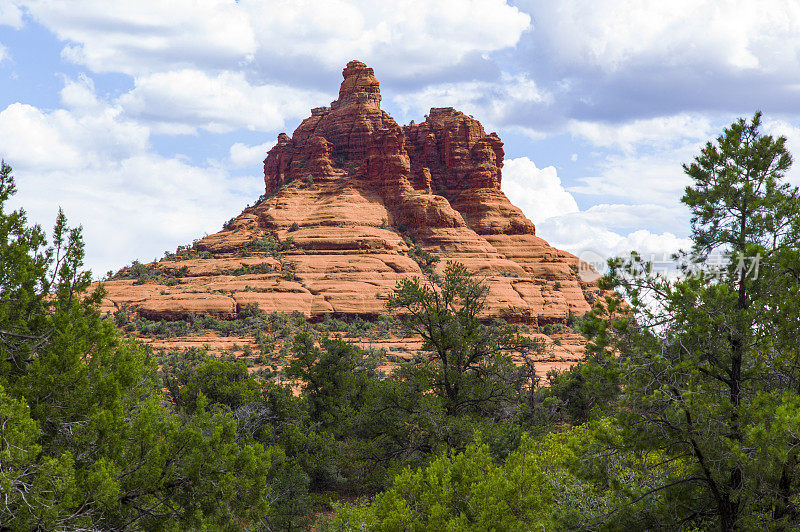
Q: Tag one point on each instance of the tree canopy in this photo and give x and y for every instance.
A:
(88, 439)
(708, 360)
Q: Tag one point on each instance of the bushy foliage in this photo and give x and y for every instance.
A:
(250, 322)
(89, 441)
(357, 327)
(252, 269)
(473, 369)
(266, 245)
(150, 273)
(708, 361)
(187, 252)
(543, 484)
(384, 423)
(424, 259)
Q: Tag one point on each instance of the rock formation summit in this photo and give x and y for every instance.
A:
(354, 203)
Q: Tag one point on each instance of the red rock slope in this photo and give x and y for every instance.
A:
(351, 197)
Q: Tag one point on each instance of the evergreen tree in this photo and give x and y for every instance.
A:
(87, 438)
(709, 362)
(472, 370)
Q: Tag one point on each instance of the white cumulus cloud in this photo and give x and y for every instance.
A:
(401, 36)
(493, 102)
(80, 94)
(69, 141)
(142, 36)
(185, 100)
(580, 234)
(242, 155)
(99, 166)
(659, 132)
(404, 36)
(615, 34)
(538, 192)
(778, 128)
(10, 14)
(604, 230)
(220, 65)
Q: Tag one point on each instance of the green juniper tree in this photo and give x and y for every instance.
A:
(472, 368)
(709, 363)
(88, 440)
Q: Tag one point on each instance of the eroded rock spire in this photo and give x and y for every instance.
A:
(359, 84)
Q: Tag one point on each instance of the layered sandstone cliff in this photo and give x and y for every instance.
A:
(351, 199)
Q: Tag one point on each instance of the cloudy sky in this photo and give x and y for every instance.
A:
(147, 121)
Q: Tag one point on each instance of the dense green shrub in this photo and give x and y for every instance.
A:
(539, 486)
(89, 440)
(153, 272)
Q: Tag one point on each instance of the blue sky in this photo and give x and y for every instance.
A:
(147, 121)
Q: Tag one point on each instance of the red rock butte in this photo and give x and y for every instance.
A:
(351, 198)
